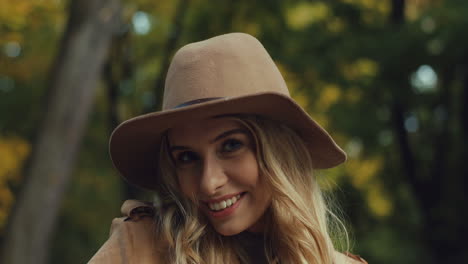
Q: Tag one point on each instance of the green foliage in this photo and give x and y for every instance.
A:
(346, 62)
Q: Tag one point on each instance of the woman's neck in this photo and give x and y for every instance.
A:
(253, 243)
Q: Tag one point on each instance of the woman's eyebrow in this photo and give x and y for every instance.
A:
(228, 133)
(175, 148)
(222, 135)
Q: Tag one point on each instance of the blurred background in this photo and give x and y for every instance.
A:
(387, 78)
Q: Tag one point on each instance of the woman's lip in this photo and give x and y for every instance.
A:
(225, 212)
(222, 198)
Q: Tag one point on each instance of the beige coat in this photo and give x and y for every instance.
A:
(132, 239)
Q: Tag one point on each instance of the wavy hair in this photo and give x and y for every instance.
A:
(299, 222)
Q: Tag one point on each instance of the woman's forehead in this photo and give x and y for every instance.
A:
(202, 129)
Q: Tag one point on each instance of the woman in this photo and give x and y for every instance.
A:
(232, 158)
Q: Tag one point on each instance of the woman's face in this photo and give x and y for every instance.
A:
(217, 168)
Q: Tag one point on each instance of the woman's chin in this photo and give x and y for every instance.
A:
(228, 230)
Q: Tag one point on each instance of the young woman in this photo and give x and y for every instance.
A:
(232, 157)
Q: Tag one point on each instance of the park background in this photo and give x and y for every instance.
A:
(387, 78)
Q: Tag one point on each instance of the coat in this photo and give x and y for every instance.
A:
(132, 239)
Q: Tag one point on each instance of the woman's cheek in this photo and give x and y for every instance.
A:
(247, 168)
(185, 184)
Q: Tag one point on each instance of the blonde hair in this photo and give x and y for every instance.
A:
(298, 222)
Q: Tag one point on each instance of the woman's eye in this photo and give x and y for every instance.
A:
(231, 145)
(186, 157)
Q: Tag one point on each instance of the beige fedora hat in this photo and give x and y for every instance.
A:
(227, 74)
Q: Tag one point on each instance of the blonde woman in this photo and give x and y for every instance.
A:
(232, 157)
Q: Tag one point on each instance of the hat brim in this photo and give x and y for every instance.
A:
(134, 144)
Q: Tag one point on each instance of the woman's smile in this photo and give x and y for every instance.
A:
(224, 202)
(224, 208)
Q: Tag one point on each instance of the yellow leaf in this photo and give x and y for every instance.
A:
(363, 171)
(361, 68)
(336, 25)
(13, 153)
(379, 202)
(329, 95)
(306, 13)
(6, 202)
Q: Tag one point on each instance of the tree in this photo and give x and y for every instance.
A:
(70, 98)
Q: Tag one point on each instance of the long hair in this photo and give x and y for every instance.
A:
(298, 222)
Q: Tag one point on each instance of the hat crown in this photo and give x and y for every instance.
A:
(229, 65)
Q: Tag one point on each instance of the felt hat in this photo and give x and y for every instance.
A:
(227, 74)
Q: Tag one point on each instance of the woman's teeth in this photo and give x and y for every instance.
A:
(224, 204)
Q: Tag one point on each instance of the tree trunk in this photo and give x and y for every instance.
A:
(398, 108)
(440, 225)
(70, 98)
(170, 48)
(463, 227)
(119, 68)
(464, 102)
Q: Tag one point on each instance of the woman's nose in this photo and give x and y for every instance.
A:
(213, 176)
